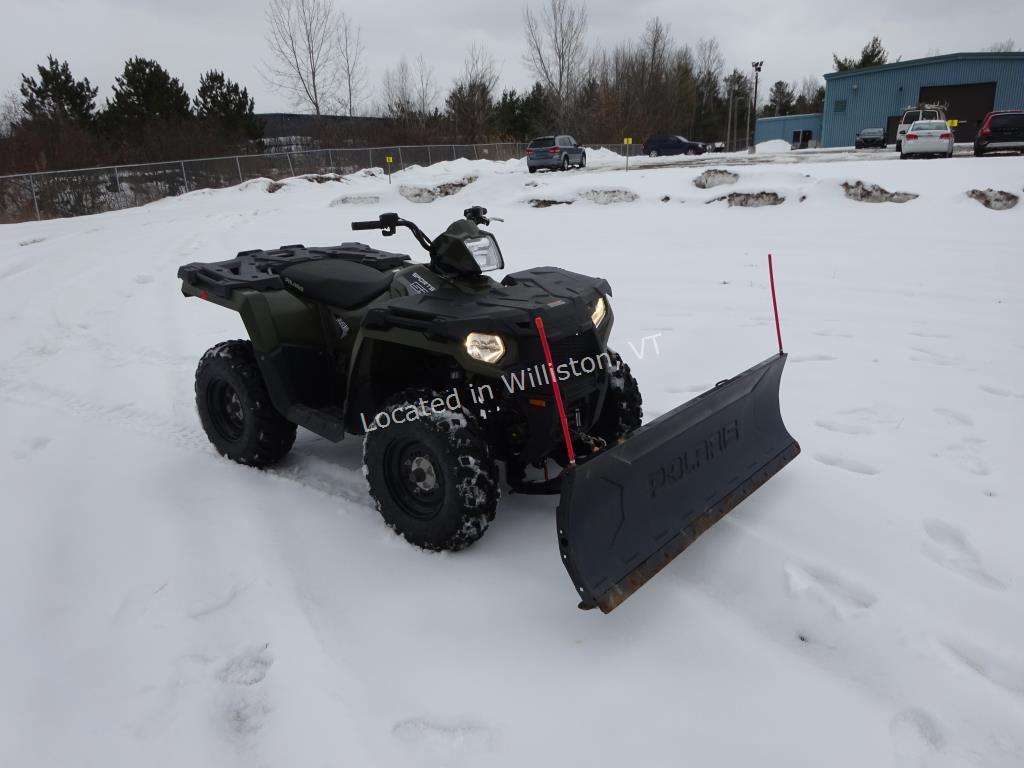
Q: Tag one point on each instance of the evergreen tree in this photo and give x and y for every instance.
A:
(871, 55)
(781, 97)
(57, 95)
(522, 117)
(144, 93)
(227, 105)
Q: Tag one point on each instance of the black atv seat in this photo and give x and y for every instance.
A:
(339, 283)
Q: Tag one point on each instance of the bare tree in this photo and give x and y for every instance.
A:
(351, 64)
(425, 90)
(470, 102)
(304, 41)
(397, 91)
(556, 49)
(479, 67)
(1003, 46)
(11, 112)
(708, 64)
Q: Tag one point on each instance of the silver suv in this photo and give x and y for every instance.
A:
(555, 153)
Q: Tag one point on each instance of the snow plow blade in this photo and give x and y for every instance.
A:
(627, 512)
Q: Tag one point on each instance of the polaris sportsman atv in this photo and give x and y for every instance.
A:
(447, 372)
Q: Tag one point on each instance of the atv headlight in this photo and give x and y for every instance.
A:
(485, 347)
(485, 253)
(599, 312)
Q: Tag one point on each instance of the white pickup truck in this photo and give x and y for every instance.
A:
(912, 114)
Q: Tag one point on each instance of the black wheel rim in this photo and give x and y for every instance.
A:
(414, 478)
(225, 409)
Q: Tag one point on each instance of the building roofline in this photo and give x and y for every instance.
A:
(790, 117)
(1000, 56)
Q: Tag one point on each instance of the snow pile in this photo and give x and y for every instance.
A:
(997, 200)
(772, 147)
(418, 194)
(356, 200)
(714, 177)
(606, 196)
(872, 193)
(601, 157)
(751, 199)
(166, 607)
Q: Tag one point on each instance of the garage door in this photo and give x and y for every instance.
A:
(967, 103)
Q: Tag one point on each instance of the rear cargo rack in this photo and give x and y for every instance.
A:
(257, 270)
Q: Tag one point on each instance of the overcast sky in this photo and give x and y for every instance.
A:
(188, 37)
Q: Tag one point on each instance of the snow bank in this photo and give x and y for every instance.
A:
(772, 147)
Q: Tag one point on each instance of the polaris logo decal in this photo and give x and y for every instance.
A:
(294, 285)
(694, 458)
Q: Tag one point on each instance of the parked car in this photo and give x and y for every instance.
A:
(870, 137)
(1000, 132)
(556, 153)
(928, 137)
(913, 114)
(672, 145)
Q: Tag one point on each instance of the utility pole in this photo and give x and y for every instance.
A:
(753, 108)
(728, 119)
(735, 121)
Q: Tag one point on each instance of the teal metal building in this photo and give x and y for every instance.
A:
(969, 84)
(798, 130)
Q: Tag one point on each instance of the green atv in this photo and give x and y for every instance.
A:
(448, 373)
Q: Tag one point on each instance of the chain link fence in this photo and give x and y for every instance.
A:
(58, 194)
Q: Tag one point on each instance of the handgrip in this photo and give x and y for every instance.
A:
(366, 225)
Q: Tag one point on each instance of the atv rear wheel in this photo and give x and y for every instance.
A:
(622, 411)
(235, 408)
(431, 473)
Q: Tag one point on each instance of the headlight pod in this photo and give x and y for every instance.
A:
(599, 312)
(485, 252)
(485, 347)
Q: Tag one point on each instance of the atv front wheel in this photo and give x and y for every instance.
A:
(431, 472)
(235, 408)
(622, 411)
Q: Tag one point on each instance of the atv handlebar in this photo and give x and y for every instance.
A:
(388, 223)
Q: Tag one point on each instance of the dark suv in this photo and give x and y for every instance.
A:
(1000, 132)
(870, 137)
(555, 153)
(672, 145)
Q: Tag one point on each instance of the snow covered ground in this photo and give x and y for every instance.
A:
(164, 607)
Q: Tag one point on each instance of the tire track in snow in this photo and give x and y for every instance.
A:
(300, 467)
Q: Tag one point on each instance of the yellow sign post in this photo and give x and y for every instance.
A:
(627, 141)
(389, 159)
